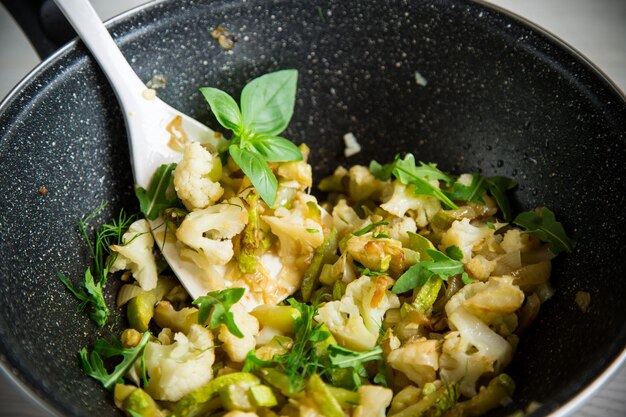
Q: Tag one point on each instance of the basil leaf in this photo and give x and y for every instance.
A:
(267, 102)
(543, 225)
(160, 193)
(498, 186)
(216, 305)
(225, 109)
(258, 171)
(275, 149)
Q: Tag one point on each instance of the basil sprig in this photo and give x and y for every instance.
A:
(267, 105)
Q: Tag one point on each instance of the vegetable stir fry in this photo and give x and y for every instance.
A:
(403, 294)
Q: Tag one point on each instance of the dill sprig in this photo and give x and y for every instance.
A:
(89, 293)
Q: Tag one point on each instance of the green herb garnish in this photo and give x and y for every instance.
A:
(417, 275)
(408, 173)
(366, 271)
(93, 364)
(267, 105)
(216, 305)
(542, 224)
(160, 194)
(90, 291)
(454, 252)
(369, 228)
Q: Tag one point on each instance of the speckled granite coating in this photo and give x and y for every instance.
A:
(499, 98)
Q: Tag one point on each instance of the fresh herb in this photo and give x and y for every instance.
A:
(454, 252)
(342, 358)
(408, 173)
(160, 194)
(216, 305)
(369, 228)
(472, 192)
(491, 226)
(267, 105)
(542, 224)
(366, 271)
(498, 186)
(93, 364)
(313, 230)
(90, 291)
(381, 236)
(417, 275)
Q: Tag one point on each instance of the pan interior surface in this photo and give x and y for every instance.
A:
(457, 84)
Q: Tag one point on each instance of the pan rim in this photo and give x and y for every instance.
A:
(564, 409)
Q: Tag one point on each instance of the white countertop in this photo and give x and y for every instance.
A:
(596, 28)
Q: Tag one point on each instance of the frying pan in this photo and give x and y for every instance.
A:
(501, 98)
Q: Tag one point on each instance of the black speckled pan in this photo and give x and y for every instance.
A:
(496, 96)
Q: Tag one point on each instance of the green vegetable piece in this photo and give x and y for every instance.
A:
(542, 224)
(499, 389)
(332, 183)
(262, 396)
(139, 403)
(258, 171)
(498, 186)
(427, 294)
(160, 193)
(217, 304)
(192, 403)
(326, 402)
(140, 309)
(324, 254)
(339, 289)
(433, 404)
(280, 381)
(346, 398)
(281, 318)
(421, 245)
(93, 364)
(235, 397)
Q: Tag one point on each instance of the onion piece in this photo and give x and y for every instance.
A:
(128, 292)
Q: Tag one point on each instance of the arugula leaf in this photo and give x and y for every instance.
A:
(498, 186)
(160, 193)
(382, 172)
(217, 304)
(472, 192)
(454, 252)
(341, 357)
(258, 171)
(417, 275)
(225, 109)
(91, 295)
(369, 228)
(275, 149)
(542, 224)
(267, 102)
(93, 364)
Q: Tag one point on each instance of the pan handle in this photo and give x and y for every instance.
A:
(43, 24)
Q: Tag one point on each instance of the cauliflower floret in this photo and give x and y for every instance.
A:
(494, 303)
(237, 348)
(492, 353)
(466, 237)
(403, 198)
(196, 176)
(417, 359)
(136, 254)
(291, 228)
(345, 219)
(362, 185)
(374, 401)
(480, 267)
(399, 229)
(516, 241)
(298, 173)
(208, 232)
(177, 369)
(355, 320)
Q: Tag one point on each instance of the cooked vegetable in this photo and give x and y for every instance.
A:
(406, 292)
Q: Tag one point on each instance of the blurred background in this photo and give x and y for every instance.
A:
(596, 28)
